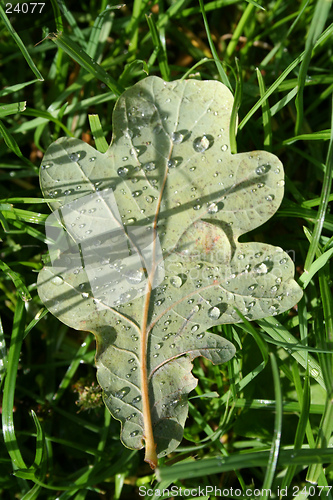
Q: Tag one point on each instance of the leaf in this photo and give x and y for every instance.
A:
(146, 253)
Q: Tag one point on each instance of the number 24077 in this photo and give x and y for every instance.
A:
(25, 8)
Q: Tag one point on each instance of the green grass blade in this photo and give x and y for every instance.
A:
(17, 280)
(205, 467)
(325, 193)
(319, 18)
(266, 114)
(99, 33)
(276, 442)
(247, 14)
(98, 134)
(325, 36)
(278, 332)
(159, 49)
(222, 73)
(3, 355)
(12, 109)
(235, 107)
(12, 144)
(9, 388)
(73, 50)
(20, 45)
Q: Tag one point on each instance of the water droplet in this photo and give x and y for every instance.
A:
(43, 167)
(261, 268)
(194, 328)
(212, 208)
(135, 276)
(263, 169)
(150, 166)
(134, 433)
(172, 346)
(122, 393)
(159, 302)
(214, 313)
(270, 197)
(74, 156)
(278, 281)
(283, 261)
(251, 287)
(224, 147)
(122, 171)
(241, 256)
(149, 199)
(57, 280)
(201, 144)
(159, 345)
(93, 158)
(200, 335)
(260, 185)
(172, 163)
(177, 137)
(197, 207)
(135, 194)
(136, 400)
(257, 255)
(176, 281)
(84, 295)
(274, 289)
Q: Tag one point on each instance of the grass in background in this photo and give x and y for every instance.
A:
(271, 424)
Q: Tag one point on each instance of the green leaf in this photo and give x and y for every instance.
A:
(147, 255)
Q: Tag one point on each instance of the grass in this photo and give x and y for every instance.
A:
(271, 425)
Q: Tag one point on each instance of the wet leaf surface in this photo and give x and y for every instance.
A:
(146, 252)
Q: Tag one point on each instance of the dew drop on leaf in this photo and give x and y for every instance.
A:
(224, 148)
(212, 208)
(200, 144)
(57, 280)
(150, 166)
(261, 268)
(122, 171)
(74, 156)
(177, 137)
(214, 313)
(263, 169)
(176, 281)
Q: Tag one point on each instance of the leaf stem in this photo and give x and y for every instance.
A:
(150, 451)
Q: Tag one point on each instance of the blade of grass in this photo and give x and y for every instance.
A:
(303, 396)
(266, 114)
(319, 18)
(247, 14)
(325, 193)
(237, 461)
(9, 387)
(73, 50)
(17, 280)
(20, 45)
(278, 332)
(12, 144)
(222, 73)
(235, 107)
(159, 49)
(276, 441)
(98, 134)
(12, 109)
(325, 37)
